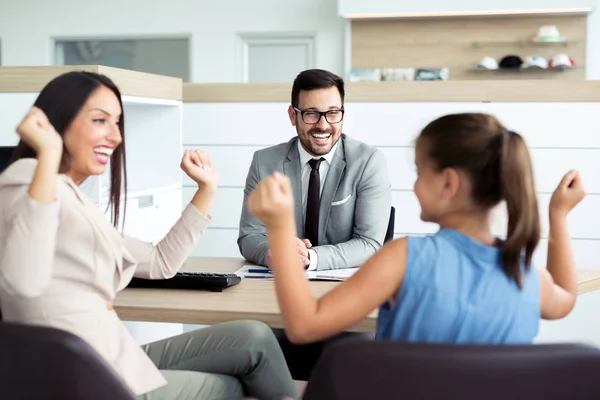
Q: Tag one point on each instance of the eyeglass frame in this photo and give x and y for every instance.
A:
(322, 114)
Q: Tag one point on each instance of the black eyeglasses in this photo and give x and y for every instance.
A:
(313, 116)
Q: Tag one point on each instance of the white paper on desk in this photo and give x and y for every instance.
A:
(331, 275)
(244, 272)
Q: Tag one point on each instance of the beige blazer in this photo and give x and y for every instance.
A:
(61, 265)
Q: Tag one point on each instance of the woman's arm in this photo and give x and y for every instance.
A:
(43, 185)
(29, 248)
(306, 318)
(32, 213)
(166, 258)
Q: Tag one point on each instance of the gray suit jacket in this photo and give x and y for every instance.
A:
(355, 203)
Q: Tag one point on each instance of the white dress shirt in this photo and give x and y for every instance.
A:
(305, 157)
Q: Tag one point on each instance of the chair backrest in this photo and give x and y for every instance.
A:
(45, 363)
(389, 234)
(388, 370)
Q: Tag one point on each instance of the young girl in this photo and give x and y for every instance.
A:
(460, 285)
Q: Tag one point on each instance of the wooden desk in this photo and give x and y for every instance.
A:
(588, 279)
(251, 299)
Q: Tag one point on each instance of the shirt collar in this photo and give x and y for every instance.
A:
(305, 156)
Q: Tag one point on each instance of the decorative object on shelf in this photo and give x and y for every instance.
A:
(432, 74)
(535, 62)
(381, 74)
(397, 74)
(487, 63)
(365, 75)
(561, 61)
(513, 62)
(548, 34)
(510, 61)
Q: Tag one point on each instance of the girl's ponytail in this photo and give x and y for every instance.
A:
(518, 190)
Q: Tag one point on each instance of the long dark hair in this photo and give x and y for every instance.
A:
(498, 162)
(61, 100)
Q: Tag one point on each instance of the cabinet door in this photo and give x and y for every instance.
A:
(149, 218)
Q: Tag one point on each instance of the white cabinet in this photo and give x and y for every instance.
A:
(149, 217)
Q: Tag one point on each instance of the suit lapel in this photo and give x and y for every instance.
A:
(332, 181)
(293, 170)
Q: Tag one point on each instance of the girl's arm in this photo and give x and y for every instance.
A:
(306, 318)
(558, 284)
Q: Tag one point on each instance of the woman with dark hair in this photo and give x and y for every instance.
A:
(62, 262)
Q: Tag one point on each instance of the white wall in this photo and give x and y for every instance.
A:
(561, 137)
(28, 28)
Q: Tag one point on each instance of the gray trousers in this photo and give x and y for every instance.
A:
(225, 361)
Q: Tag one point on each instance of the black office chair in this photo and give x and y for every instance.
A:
(389, 234)
(387, 370)
(6, 153)
(45, 363)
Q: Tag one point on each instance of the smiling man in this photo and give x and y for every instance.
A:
(341, 186)
(341, 191)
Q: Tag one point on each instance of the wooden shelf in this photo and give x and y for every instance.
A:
(131, 83)
(447, 43)
(523, 43)
(408, 91)
(241, 92)
(521, 70)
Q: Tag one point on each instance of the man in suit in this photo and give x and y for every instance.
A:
(342, 205)
(341, 190)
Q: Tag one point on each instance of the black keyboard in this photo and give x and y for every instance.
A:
(189, 281)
